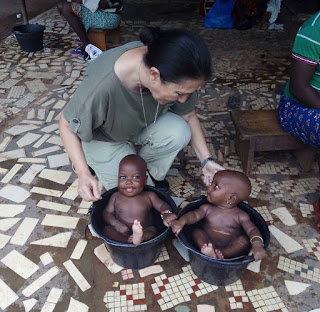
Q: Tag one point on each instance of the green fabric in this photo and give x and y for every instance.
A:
(104, 109)
(306, 48)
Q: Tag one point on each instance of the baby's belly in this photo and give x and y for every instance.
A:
(220, 237)
(145, 219)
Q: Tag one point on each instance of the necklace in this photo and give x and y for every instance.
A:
(148, 140)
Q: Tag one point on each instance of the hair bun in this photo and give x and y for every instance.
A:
(149, 34)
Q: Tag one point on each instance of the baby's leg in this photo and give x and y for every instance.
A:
(240, 246)
(113, 234)
(140, 235)
(203, 242)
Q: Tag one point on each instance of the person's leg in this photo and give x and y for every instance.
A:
(301, 122)
(104, 159)
(169, 134)
(110, 232)
(73, 16)
(237, 247)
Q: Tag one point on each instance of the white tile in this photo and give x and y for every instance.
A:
(72, 191)
(41, 140)
(254, 266)
(55, 139)
(29, 304)
(45, 191)
(41, 113)
(24, 230)
(50, 116)
(9, 211)
(48, 307)
(13, 171)
(28, 139)
(284, 215)
(58, 160)
(53, 206)
(50, 128)
(104, 256)
(54, 295)
(30, 174)
(7, 295)
(15, 130)
(31, 114)
(3, 171)
(41, 281)
(77, 306)
(13, 154)
(45, 151)
(76, 275)
(288, 243)
(153, 269)
(57, 176)
(59, 105)
(4, 240)
(205, 308)
(5, 142)
(6, 224)
(20, 264)
(295, 288)
(79, 249)
(46, 259)
(60, 221)
(58, 240)
(14, 193)
(32, 160)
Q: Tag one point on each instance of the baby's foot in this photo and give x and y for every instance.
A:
(208, 250)
(137, 232)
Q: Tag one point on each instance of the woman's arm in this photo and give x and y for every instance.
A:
(200, 147)
(88, 186)
(300, 76)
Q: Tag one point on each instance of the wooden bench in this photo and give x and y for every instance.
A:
(100, 37)
(259, 130)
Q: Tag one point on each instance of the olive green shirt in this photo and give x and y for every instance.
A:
(104, 109)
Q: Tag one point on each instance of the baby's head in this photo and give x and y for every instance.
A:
(132, 175)
(228, 188)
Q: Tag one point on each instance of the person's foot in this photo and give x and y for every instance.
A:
(162, 186)
(137, 232)
(208, 250)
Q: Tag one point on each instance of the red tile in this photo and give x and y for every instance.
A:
(129, 297)
(193, 296)
(195, 288)
(238, 299)
(122, 292)
(139, 301)
(165, 281)
(162, 288)
(197, 281)
(158, 296)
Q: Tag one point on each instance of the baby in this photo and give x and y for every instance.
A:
(128, 214)
(228, 231)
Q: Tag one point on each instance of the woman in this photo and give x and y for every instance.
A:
(141, 93)
(85, 14)
(299, 108)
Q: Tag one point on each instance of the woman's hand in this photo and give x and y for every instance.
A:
(209, 170)
(88, 187)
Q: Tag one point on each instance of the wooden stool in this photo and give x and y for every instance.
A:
(99, 37)
(259, 130)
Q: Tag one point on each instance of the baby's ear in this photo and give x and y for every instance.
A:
(232, 199)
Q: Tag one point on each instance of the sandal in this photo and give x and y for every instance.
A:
(76, 52)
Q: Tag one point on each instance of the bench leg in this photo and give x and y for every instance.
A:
(306, 157)
(246, 154)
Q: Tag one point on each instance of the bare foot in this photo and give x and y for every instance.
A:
(208, 250)
(137, 234)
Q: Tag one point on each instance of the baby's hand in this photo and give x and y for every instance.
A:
(176, 226)
(257, 251)
(168, 218)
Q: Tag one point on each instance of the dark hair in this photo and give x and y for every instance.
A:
(177, 53)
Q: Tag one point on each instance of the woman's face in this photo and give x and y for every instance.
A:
(168, 92)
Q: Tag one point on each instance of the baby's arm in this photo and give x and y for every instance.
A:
(108, 215)
(255, 237)
(189, 218)
(163, 208)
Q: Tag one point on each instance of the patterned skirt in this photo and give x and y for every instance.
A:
(97, 19)
(302, 122)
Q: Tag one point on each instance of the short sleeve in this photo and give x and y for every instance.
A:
(186, 107)
(87, 110)
(92, 5)
(307, 45)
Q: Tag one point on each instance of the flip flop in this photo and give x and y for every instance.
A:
(78, 42)
(315, 208)
(75, 53)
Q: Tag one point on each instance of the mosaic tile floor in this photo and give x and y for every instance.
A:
(47, 264)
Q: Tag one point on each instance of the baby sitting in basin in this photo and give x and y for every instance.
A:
(228, 231)
(128, 214)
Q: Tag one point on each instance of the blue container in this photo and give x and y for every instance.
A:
(214, 271)
(126, 254)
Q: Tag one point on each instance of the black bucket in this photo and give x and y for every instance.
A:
(214, 271)
(126, 254)
(29, 36)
